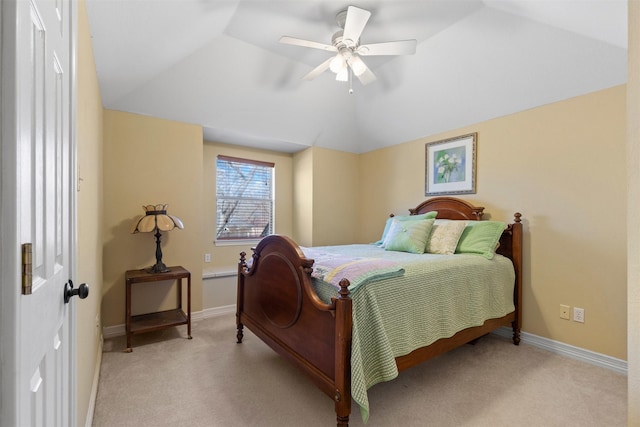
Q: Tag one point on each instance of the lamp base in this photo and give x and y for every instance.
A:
(158, 268)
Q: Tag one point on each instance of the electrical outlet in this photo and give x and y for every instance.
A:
(578, 314)
(207, 257)
(564, 312)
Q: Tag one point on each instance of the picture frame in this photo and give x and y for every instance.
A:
(450, 166)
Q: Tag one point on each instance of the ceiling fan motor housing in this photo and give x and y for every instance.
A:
(340, 42)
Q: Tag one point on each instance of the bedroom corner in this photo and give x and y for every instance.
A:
(149, 161)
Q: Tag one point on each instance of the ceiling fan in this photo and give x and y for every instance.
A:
(346, 44)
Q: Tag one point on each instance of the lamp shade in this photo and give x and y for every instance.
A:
(155, 218)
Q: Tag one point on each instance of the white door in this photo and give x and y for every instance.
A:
(38, 207)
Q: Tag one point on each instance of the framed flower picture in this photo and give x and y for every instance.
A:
(451, 166)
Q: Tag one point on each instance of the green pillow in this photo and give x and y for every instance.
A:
(408, 236)
(428, 215)
(481, 237)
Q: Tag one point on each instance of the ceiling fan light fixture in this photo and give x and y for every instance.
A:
(343, 75)
(338, 64)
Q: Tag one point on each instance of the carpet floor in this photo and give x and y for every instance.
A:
(211, 381)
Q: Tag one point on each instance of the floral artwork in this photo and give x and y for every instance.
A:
(451, 166)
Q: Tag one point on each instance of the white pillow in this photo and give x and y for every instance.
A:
(444, 236)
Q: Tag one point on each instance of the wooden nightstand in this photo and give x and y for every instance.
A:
(161, 319)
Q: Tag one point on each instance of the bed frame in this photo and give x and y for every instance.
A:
(277, 302)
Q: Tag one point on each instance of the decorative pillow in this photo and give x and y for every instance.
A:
(481, 237)
(444, 236)
(428, 215)
(388, 236)
(408, 236)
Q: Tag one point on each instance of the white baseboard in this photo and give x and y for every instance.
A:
(94, 386)
(119, 330)
(214, 312)
(113, 331)
(598, 359)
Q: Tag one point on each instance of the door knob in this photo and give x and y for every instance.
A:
(82, 291)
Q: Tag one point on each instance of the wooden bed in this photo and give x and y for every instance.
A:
(277, 302)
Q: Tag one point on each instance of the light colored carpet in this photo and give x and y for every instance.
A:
(212, 381)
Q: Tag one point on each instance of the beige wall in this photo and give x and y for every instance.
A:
(633, 227)
(89, 213)
(326, 195)
(335, 197)
(149, 161)
(303, 196)
(562, 166)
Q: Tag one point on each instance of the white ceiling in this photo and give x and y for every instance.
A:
(218, 64)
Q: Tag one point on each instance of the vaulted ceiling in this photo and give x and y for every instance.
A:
(219, 64)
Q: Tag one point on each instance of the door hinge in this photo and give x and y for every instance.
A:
(27, 269)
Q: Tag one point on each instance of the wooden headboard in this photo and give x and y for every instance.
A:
(454, 208)
(449, 208)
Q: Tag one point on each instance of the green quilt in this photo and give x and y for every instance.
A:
(437, 296)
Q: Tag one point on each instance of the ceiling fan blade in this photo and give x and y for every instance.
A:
(318, 70)
(400, 47)
(307, 43)
(361, 71)
(354, 24)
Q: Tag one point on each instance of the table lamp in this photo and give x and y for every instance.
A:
(156, 219)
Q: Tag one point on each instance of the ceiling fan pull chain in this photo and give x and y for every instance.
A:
(350, 81)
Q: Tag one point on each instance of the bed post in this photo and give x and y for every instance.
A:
(516, 252)
(242, 266)
(344, 324)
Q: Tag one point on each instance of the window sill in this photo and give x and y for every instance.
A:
(249, 242)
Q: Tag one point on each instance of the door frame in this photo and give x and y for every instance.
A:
(9, 252)
(10, 244)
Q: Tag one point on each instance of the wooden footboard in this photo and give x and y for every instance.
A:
(277, 302)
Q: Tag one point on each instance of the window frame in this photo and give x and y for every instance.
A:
(249, 240)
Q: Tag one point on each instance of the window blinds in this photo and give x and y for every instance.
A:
(244, 198)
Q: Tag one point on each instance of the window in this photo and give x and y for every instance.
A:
(244, 199)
